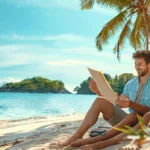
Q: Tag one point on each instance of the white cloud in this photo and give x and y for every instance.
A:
(16, 55)
(11, 48)
(107, 53)
(61, 62)
(101, 10)
(8, 80)
(70, 87)
(91, 51)
(67, 4)
(69, 62)
(104, 66)
(25, 54)
(27, 51)
(73, 4)
(63, 37)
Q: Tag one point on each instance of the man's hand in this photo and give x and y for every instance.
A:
(93, 87)
(123, 101)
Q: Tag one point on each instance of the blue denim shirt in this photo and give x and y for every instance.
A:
(131, 89)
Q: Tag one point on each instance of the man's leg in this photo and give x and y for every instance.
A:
(99, 105)
(116, 139)
(130, 119)
(104, 143)
(134, 144)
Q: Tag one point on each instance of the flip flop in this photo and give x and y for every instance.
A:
(98, 131)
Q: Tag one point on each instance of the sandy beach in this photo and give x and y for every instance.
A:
(42, 133)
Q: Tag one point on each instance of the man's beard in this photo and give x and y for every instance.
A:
(142, 73)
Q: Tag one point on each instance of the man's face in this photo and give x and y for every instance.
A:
(141, 67)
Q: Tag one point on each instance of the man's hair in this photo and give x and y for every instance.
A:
(142, 54)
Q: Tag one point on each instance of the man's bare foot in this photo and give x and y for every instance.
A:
(81, 142)
(69, 141)
(85, 141)
(134, 145)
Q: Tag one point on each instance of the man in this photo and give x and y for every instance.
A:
(135, 96)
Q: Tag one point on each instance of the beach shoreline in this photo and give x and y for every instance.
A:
(38, 133)
(21, 130)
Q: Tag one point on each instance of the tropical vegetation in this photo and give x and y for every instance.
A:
(117, 83)
(141, 134)
(132, 20)
(35, 85)
(43, 85)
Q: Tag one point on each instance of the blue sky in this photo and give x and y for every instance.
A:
(56, 40)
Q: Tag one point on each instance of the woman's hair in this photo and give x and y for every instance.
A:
(142, 54)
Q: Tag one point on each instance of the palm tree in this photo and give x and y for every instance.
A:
(133, 19)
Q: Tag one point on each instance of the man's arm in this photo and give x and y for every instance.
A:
(123, 101)
(139, 108)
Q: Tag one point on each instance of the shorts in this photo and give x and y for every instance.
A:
(118, 116)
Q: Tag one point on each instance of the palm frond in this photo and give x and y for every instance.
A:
(117, 4)
(87, 4)
(132, 10)
(141, 122)
(147, 3)
(136, 37)
(110, 28)
(127, 131)
(146, 26)
(124, 34)
(133, 131)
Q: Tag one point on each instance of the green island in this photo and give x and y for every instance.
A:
(117, 83)
(35, 85)
(43, 85)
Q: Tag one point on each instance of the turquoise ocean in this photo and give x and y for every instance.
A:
(26, 105)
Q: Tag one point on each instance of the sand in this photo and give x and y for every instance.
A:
(43, 133)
